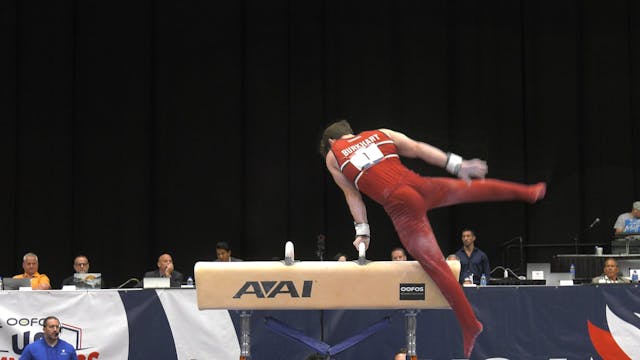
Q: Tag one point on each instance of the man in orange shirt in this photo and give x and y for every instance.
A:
(30, 266)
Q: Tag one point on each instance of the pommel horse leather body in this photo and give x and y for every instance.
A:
(305, 285)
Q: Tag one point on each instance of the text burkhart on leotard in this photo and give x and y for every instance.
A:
(362, 144)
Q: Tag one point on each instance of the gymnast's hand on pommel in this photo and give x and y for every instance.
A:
(359, 239)
(474, 168)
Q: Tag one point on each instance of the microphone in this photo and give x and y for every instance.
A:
(575, 239)
(320, 246)
(127, 282)
(594, 223)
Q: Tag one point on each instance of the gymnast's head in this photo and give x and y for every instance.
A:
(333, 132)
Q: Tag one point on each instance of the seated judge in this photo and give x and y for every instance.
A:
(611, 274)
(30, 267)
(453, 257)
(223, 253)
(398, 254)
(165, 269)
(80, 266)
(340, 257)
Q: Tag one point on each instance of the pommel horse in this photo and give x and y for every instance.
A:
(318, 285)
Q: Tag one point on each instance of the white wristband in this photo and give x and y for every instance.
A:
(453, 163)
(362, 229)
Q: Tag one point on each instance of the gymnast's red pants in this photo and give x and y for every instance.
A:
(407, 197)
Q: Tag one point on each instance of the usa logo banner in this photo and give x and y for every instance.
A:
(116, 325)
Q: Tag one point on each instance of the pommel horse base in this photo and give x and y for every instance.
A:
(318, 285)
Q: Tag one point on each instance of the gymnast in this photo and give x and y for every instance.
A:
(369, 163)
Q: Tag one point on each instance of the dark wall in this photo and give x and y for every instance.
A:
(128, 129)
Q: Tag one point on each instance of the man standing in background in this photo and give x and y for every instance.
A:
(473, 261)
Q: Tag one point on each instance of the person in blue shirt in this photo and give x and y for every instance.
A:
(629, 222)
(473, 261)
(50, 346)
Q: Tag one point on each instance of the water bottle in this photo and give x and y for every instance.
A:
(572, 270)
(483, 280)
(634, 276)
(190, 281)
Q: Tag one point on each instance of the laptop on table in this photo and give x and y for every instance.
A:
(87, 280)
(15, 284)
(156, 283)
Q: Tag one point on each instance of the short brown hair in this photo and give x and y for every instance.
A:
(44, 324)
(333, 131)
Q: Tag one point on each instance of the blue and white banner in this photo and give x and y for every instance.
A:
(574, 322)
(116, 325)
(525, 322)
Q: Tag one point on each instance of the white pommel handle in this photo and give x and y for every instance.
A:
(289, 256)
(362, 256)
(362, 250)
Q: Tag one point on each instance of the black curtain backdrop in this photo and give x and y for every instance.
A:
(133, 128)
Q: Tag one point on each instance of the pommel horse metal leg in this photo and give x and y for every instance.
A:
(411, 321)
(245, 315)
(245, 334)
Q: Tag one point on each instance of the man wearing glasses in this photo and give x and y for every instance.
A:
(81, 266)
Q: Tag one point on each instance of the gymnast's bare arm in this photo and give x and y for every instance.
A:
(410, 148)
(352, 196)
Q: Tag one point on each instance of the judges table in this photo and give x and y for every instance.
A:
(521, 322)
(588, 266)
